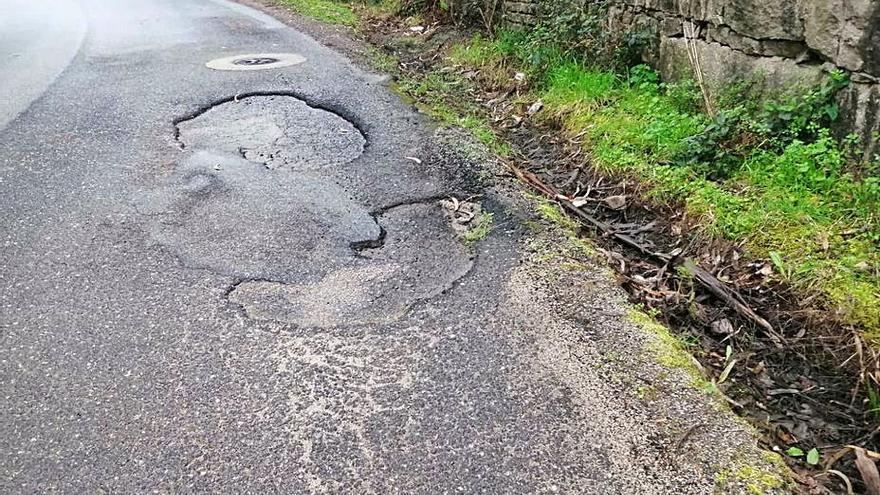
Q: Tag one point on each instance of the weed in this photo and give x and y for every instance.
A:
(324, 10)
(480, 228)
(800, 116)
(873, 401)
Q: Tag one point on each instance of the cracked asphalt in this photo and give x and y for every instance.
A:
(252, 281)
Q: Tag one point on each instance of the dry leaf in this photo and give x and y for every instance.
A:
(536, 107)
(616, 202)
(726, 372)
(862, 266)
(869, 472)
(722, 327)
(578, 202)
(824, 242)
(846, 481)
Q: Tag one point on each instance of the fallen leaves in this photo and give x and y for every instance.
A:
(616, 202)
(460, 212)
(868, 469)
(535, 107)
(722, 327)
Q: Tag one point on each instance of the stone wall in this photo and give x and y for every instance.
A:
(780, 43)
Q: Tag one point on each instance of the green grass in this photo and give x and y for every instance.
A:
(480, 228)
(798, 201)
(324, 10)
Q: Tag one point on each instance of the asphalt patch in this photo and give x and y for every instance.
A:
(234, 217)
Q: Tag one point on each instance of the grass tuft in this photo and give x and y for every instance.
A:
(324, 10)
(480, 228)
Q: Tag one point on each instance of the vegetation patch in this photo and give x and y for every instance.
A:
(797, 199)
(756, 479)
(671, 351)
(324, 10)
(479, 228)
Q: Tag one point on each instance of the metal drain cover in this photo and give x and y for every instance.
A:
(256, 61)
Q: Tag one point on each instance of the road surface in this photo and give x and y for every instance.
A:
(248, 281)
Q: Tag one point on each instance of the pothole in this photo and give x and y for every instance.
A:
(256, 61)
(280, 132)
(420, 258)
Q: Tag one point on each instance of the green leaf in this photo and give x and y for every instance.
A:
(832, 111)
(726, 372)
(776, 258)
(728, 353)
(795, 452)
(813, 457)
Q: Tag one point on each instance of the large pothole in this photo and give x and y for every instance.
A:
(421, 257)
(302, 249)
(280, 132)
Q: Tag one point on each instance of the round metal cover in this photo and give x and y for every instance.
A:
(256, 61)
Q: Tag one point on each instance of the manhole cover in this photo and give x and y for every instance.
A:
(256, 61)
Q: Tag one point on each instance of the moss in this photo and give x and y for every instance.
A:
(575, 245)
(669, 351)
(582, 246)
(532, 226)
(769, 475)
(647, 392)
(574, 266)
(553, 213)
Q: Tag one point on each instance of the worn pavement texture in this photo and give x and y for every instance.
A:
(258, 282)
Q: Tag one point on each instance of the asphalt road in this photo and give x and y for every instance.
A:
(245, 282)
